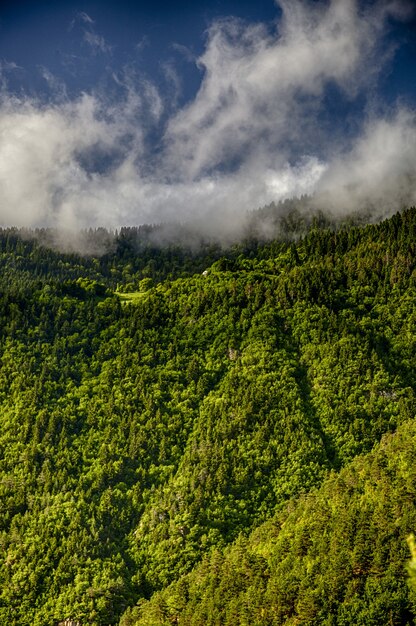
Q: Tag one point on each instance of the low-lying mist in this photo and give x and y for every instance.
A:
(257, 132)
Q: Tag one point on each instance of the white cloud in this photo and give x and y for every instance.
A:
(44, 173)
(84, 17)
(97, 42)
(45, 177)
(262, 86)
(253, 133)
(7, 68)
(379, 170)
(55, 84)
(80, 17)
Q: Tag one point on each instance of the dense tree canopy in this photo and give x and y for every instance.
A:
(209, 435)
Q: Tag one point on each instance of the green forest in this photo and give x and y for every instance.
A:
(206, 434)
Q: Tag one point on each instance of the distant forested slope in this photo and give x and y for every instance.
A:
(160, 403)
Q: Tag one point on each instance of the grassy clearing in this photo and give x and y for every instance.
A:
(130, 298)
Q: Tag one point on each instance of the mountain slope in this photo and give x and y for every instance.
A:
(334, 556)
(142, 430)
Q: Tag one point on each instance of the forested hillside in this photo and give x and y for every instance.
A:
(335, 556)
(191, 435)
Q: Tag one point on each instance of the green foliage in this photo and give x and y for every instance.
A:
(160, 404)
(335, 556)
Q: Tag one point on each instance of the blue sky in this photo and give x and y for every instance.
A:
(127, 112)
(140, 33)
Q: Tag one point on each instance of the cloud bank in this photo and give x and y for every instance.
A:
(257, 131)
